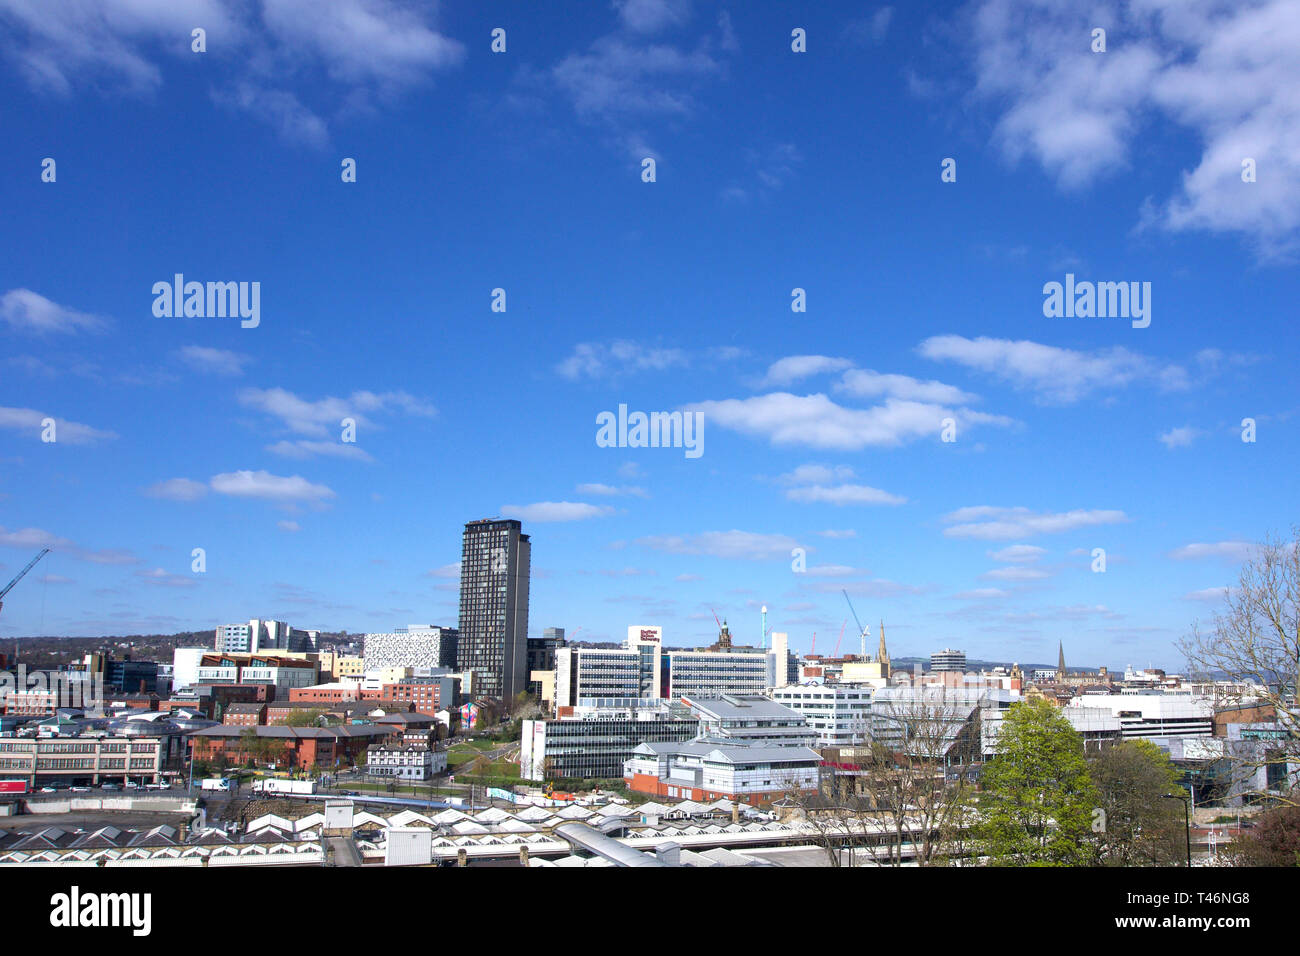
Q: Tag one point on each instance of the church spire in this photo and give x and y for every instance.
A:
(882, 654)
(1060, 663)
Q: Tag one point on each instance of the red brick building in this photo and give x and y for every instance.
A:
(245, 715)
(290, 748)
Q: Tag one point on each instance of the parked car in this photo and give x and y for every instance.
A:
(109, 786)
(80, 789)
(49, 790)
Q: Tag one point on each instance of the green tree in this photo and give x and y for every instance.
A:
(1038, 801)
(1140, 826)
(307, 717)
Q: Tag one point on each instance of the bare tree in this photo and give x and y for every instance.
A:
(1253, 644)
(915, 771)
(906, 787)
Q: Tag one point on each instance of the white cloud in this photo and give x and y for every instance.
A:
(556, 511)
(595, 488)
(818, 422)
(980, 594)
(1179, 437)
(743, 545)
(1208, 594)
(25, 311)
(364, 52)
(446, 571)
(1015, 573)
(217, 361)
(27, 539)
(652, 16)
(834, 571)
(1018, 554)
(794, 368)
(990, 523)
(29, 420)
(160, 578)
(304, 448)
(290, 526)
(864, 383)
(177, 489)
(262, 484)
(1226, 550)
(813, 474)
(838, 533)
(595, 360)
(1226, 71)
(323, 417)
(844, 495)
(619, 78)
(1055, 374)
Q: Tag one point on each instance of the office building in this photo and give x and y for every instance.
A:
(1156, 715)
(750, 718)
(706, 769)
(417, 645)
(593, 741)
(281, 672)
(839, 714)
(259, 636)
(948, 660)
(541, 658)
(495, 566)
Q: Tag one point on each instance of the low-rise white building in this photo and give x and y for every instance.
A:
(410, 762)
(711, 769)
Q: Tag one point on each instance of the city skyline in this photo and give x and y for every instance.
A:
(822, 460)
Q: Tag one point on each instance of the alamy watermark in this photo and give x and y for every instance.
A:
(211, 300)
(653, 430)
(61, 690)
(1101, 300)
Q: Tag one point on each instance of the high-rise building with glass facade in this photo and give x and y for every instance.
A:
(495, 562)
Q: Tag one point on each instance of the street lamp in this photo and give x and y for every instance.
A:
(1187, 817)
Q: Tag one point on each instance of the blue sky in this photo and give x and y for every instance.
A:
(775, 170)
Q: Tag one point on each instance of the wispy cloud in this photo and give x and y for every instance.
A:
(742, 545)
(324, 416)
(1054, 374)
(26, 311)
(597, 360)
(818, 422)
(216, 361)
(543, 511)
(991, 523)
(1225, 550)
(30, 422)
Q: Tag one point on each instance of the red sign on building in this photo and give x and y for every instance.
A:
(13, 786)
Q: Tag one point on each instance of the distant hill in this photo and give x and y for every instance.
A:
(46, 651)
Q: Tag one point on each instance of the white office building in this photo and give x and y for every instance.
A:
(839, 714)
(417, 645)
(1148, 716)
(948, 660)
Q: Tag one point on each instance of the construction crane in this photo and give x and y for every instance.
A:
(19, 576)
(837, 643)
(863, 632)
